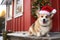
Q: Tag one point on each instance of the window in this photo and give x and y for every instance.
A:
(18, 8)
(9, 12)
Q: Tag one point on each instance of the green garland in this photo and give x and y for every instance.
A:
(38, 5)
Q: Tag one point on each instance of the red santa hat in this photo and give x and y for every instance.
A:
(47, 10)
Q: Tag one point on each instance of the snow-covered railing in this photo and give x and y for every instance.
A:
(25, 36)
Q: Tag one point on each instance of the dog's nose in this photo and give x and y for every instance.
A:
(43, 19)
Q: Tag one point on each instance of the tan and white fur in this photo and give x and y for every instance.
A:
(40, 28)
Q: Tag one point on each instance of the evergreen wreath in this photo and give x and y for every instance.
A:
(38, 5)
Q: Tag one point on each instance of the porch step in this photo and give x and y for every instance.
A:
(24, 36)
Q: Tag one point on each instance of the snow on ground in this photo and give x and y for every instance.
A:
(1, 38)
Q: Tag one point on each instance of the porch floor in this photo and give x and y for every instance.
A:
(25, 36)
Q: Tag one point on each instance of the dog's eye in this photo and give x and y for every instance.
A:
(41, 16)
(46, 16)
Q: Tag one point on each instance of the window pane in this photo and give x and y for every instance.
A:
(19, 6)
(10, 10)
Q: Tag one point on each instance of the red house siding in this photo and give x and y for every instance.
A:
(59, 13)
(22, 23)
(56, 19)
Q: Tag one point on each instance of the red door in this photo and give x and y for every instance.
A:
(56, 19)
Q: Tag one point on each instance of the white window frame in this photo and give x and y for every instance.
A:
(20, 4)
(8, 12)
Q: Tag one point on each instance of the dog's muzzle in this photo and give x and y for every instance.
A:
(44, 21)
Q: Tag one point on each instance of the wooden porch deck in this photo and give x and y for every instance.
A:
(24, 36)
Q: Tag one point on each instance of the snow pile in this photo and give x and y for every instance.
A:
(1, 38)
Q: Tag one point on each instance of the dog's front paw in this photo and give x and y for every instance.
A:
(38, 35)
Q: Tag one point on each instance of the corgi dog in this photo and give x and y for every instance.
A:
(43, 24)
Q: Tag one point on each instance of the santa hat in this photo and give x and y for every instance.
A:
(47, 10)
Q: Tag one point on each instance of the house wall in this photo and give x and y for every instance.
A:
(22, 23)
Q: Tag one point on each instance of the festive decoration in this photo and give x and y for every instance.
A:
(47, 10)
(38, 4)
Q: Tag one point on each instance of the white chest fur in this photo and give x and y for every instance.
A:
(45, 30)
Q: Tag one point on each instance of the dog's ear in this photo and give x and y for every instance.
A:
(37, 13)
(51, 15)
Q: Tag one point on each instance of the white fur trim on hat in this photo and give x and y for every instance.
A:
(44, 12)
(53, 11)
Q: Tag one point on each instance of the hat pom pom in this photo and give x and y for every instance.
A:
(53, 11)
